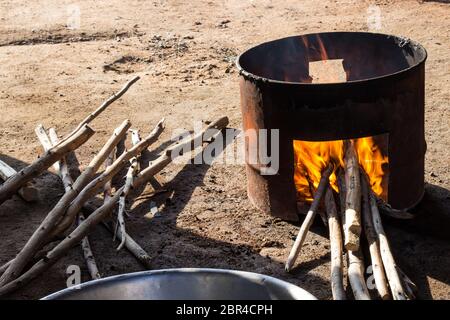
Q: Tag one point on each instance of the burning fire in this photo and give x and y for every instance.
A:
(311, 158)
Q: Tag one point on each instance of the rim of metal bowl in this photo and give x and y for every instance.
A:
(296, 292)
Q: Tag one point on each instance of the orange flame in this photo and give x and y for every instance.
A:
(311, 158)
(322, 50)
(372, 160)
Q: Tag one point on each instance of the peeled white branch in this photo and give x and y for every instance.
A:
(395, 282)
(337, 265)
(372, 239)
(309, 218)
(355, 266)
(356, 275)
(44, 139)
(352, 223)
(61, 167)
(132, 171)
(87, 254)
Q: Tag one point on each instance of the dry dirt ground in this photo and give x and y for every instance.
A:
(56, 66)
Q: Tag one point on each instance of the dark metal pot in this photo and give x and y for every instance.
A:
(383, 94)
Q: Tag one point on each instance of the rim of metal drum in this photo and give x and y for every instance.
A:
(255, 77)
(296, 292)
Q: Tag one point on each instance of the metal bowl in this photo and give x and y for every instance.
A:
(185, 284)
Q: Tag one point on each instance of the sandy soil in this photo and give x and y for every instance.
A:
(55, 68)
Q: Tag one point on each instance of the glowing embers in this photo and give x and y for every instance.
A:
(311, 158)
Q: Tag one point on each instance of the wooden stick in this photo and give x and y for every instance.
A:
(135, 136)
(410, 287)
(356, 275)
(355, 267)
(15, 182)
(61, 166)
(61, 249)
(81, 231)
(337, 273)
(177, 149)
(48, 141)
(44, 139)
(107, 187)
(43, 232)
(87, 253)
(372, 239)
(132, 246)
(121, 148)
(309, 218)
(104, 105)
(41, 254)
(27, 192)
(397, 290)
(391, 212)
(96, 184)
(64, 174)
(132, 171)
(5, 266)
(342, 192)
(322, 214)
(352, 226)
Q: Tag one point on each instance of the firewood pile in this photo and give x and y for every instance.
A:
(357, 216)
(71, 220)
